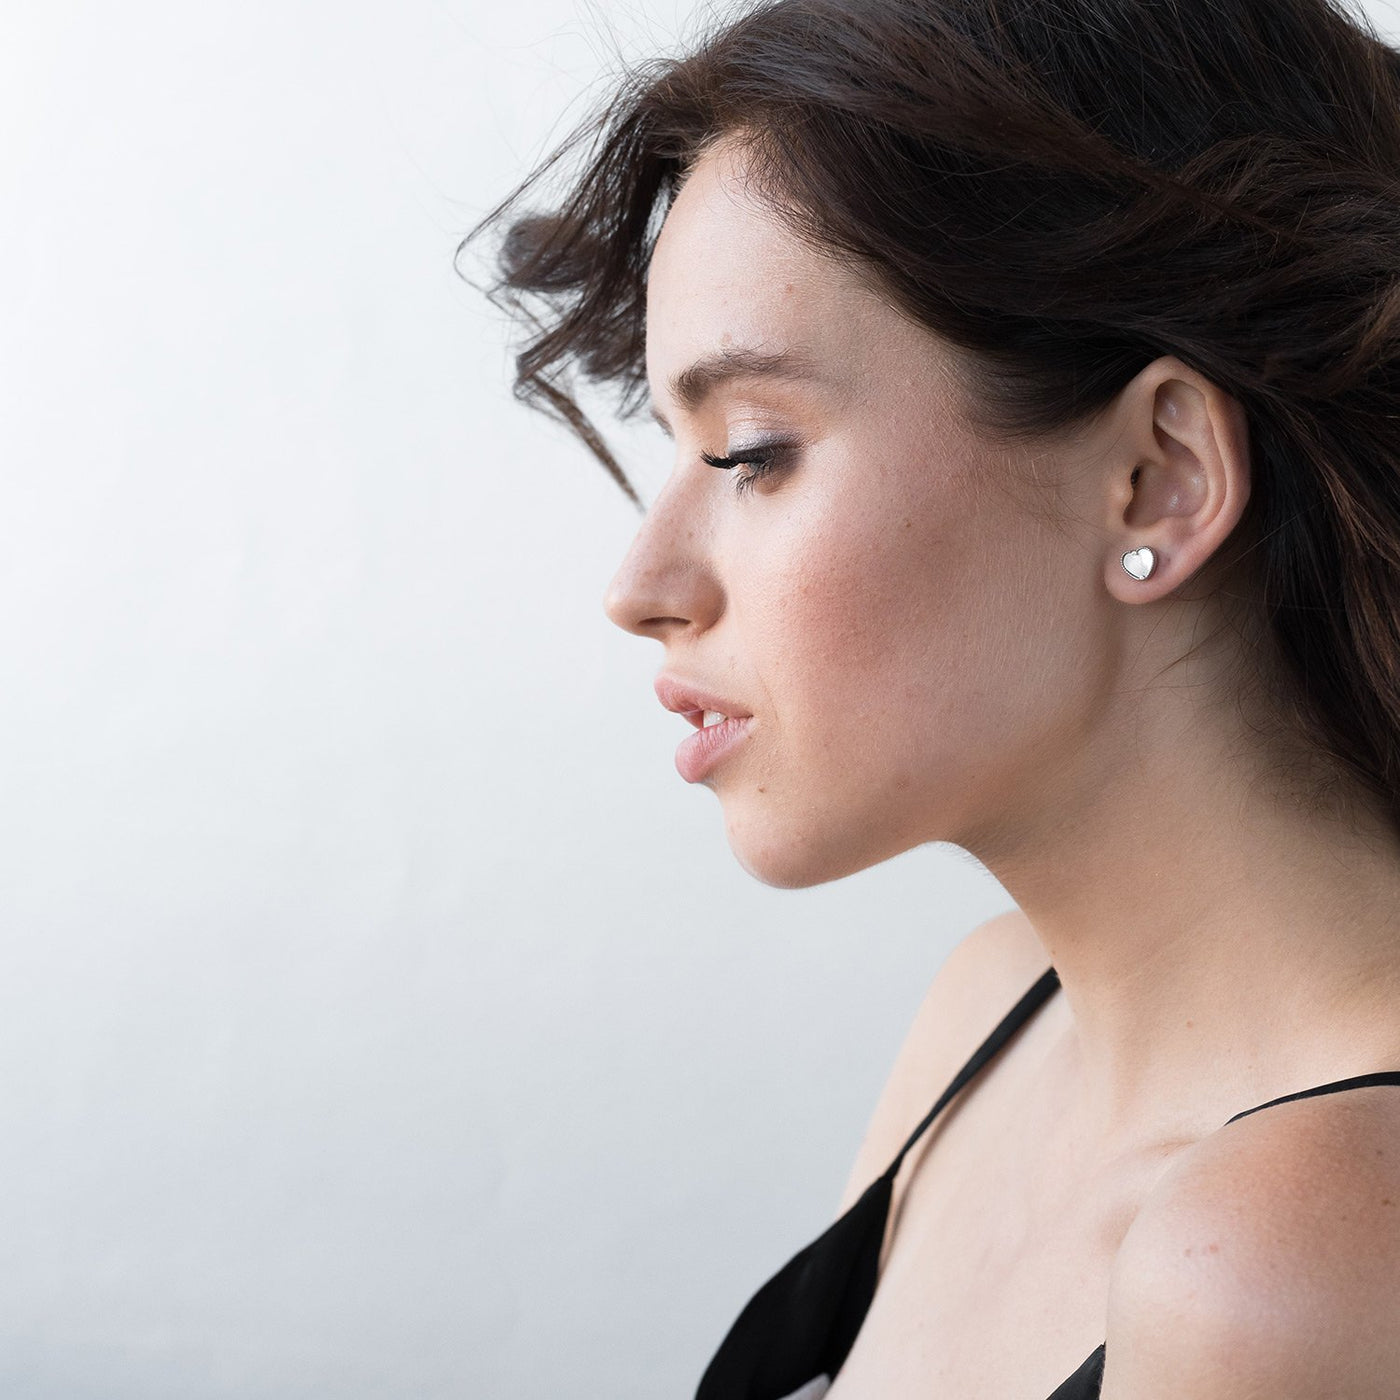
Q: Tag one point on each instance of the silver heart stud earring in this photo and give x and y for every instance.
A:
(1140, 562)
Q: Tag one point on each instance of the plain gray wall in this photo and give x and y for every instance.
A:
(380, 1013)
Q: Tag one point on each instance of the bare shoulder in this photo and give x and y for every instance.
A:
(980, 980)
(1267, 1261)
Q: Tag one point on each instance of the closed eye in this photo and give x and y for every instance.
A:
(759, 460)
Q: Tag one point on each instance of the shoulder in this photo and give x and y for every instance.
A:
(986, 973)
(1267, 1261)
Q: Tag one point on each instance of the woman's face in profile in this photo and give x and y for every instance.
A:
(907, 613)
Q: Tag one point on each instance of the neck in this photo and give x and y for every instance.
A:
(1220, 942)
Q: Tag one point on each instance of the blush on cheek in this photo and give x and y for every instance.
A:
(865, 615)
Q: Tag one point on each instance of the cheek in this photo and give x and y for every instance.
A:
(871, 599)
(899, 637)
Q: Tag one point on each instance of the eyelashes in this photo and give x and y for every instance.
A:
(759, 460)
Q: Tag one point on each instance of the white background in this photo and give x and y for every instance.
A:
(380, 1013)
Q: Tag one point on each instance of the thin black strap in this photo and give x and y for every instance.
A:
(1006, 1028)
(802, 1323)
(1357, 1081)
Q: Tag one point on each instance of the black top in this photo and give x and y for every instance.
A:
(799, 1327)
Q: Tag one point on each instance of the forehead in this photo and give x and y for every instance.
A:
(725, 272)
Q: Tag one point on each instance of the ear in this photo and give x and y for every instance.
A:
(1178, 476)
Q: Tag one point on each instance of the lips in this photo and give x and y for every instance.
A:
(698, 755)
(692, 701)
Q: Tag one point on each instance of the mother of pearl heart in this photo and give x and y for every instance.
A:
(1140, 562)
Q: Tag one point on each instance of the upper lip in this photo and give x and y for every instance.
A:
(692, 702)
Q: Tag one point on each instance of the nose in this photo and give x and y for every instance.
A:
(667, 580)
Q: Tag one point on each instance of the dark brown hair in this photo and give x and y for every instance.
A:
(1064, 190)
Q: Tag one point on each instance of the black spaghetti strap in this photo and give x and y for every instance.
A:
(1005, 1029)
(802, 1323)
(1356, 1081)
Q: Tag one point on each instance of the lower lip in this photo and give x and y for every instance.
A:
(699, 753)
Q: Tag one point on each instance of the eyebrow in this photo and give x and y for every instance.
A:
(691, 386)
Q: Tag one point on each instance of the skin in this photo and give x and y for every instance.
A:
(937, 642)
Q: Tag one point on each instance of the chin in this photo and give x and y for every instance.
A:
(788, 858)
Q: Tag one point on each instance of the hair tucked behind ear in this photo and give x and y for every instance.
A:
(1065, 189)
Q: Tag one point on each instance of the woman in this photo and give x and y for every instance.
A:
(1049, 355)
